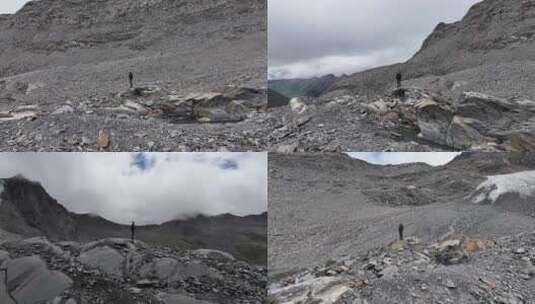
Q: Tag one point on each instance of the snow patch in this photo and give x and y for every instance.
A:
(522, 183)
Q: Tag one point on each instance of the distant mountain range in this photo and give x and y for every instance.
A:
(313, 87)
(28, 210)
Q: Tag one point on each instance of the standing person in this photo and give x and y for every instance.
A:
(133, 230)
(400, 230)
(398, 79)
(131, 79)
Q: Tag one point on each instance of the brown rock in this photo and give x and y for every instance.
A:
(392, 116)
(104, 139)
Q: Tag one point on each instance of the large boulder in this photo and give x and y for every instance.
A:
(482, 107)
(30, 281)
(478, 120)
(162, 269)
(105, 259)
(297, 105)
(463, 132)
(326, 290)
(45, 245)
(434, 121)
(450, 252)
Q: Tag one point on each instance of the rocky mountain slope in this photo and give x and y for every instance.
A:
(486, 47)
(26, 209)
(467, 88)
(64, 70)
(468, 228)
(313, 87)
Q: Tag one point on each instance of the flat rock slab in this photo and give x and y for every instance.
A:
(30, 281)
(163, 269)
(45, 243)
(166, 269)
(105, 259)
(213, 254)
(327, 290)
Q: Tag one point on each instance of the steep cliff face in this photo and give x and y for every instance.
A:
(28, 210)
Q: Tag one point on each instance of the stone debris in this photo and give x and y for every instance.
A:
(394, 275)
(104, 271)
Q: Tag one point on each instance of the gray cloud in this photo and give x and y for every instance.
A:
(11, 6)
(396, 158)
(314, 38)
(174, 185)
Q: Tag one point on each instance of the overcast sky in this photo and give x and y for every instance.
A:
(314, 38)
(395, 158)
(148, 188)
(11, 6)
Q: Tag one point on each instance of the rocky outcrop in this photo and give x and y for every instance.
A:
(473, 122)
(228, 105)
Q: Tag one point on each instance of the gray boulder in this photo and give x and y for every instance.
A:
(478, 120)
(30, 281)
(105, 259)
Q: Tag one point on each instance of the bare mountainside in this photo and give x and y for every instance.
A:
(64, 73)
(468, 225)
(469, 87)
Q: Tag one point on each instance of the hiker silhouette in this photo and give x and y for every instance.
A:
(133, 230)
(398, 79)
(400, 230)
(131, 79)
